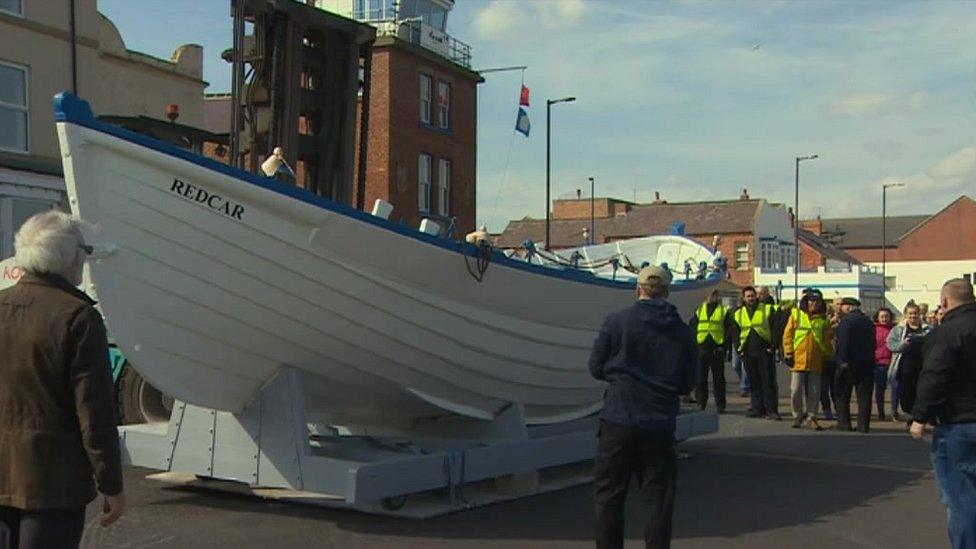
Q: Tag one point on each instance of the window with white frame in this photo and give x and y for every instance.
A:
(444, 187)
(443, 105)
(742, 256)
(15, 7)
(769, 256)
(425, 94)
(423, 183)
(13, 108)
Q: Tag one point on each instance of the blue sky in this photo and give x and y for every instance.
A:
(695, 100)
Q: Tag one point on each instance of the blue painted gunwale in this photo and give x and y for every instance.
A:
(72, 109)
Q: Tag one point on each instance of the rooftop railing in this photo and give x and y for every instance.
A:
(409, 29)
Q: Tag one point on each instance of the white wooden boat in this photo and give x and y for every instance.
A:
(622, 259)
(213, 280)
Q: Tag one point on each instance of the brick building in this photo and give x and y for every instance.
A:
(422, 135)
(422, 127)
(922, 251)
(749, 232)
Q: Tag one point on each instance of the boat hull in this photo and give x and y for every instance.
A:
(213, 281)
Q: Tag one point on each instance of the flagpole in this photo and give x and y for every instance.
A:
(502, 69)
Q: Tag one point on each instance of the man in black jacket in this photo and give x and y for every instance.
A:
(712, 325)
(855, 365)
(946, 397)
(647, 355)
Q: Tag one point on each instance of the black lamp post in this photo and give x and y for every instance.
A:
(549, 104)
(592, 213)
(796, 227)
(884, 238)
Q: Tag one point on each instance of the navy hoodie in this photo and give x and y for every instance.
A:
(647, 355)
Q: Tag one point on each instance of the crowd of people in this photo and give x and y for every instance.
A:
(649, 358)
(834, 352)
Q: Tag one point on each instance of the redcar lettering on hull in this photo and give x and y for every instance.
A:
(213, 201)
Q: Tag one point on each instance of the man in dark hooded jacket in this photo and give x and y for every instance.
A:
(647, 355)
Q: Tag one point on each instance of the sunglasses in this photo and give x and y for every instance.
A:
(88, 248)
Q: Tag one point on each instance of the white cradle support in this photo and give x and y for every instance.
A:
(269, 446)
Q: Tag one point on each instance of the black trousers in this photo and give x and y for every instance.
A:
(711, 360)
(907, 385)
(41, 529)
(624, 452)
(861, 381)
(828, 397)
(761, 370)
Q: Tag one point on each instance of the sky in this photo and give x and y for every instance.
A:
(692, 99)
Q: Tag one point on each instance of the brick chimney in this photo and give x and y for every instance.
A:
(744, 195)
(815, 226)
(789, 213)
(658, 199)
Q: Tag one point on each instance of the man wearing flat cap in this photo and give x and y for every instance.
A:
(647, 355)
(855, 365)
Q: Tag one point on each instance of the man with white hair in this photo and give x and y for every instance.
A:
(58, 436)
(647, 355)
(946, 397)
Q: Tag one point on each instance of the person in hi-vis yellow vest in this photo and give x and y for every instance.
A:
(754, 336)
(807, 342)
(712, 326)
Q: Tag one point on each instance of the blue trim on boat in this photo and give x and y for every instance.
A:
(70, 108)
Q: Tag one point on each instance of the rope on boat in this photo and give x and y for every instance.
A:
(483, 260)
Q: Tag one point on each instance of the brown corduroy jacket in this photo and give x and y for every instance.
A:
(58, 436)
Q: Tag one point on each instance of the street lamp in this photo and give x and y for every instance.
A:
(592, 213)
(549, 104)
(796, 226)
(884, 237)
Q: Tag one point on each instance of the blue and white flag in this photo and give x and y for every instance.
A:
(522, 124)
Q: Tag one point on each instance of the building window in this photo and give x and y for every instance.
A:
(13, 108)
(14, 211)
(770, 256)
(15, 7)
(443, 105)
(742, 256)
(423, 183)
(425, 92)
(444, 187)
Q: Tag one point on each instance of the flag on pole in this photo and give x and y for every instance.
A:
(522, 124)
(524, 96)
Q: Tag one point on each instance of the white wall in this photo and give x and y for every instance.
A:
(773, 225)
(922, 280)
(864, 284)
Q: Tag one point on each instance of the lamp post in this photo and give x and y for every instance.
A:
(549, 104)
(884, 237)
(796, 226)
(592, 213)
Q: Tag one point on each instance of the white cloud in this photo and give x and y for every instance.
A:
(861, 104)
(506, 19)
(867, 104)
(924, 192)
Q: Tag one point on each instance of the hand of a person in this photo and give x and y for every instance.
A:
(112, 509)
(917, 431)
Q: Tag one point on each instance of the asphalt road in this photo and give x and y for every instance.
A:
(755, 484)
